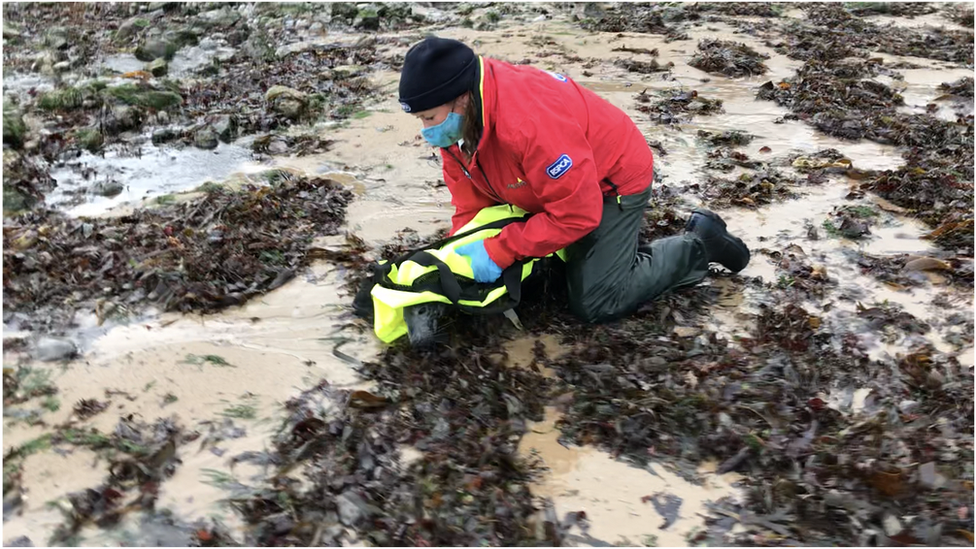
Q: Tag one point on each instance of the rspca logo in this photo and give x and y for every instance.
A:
(559, 168)
(406, 108)
(557, 76)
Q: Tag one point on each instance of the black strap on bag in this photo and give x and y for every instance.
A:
(444, 281)
(447, 284)
(500, 224)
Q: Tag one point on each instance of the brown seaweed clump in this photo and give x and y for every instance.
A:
(201, 255)
(677, 106)
(960, 88)
(731, 59)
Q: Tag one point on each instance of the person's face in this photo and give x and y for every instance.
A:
(435, 116)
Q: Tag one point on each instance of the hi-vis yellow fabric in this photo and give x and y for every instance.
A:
(388, 303)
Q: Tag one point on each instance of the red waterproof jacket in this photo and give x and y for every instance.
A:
(550, 147)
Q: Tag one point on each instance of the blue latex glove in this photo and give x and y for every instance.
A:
(484, 268)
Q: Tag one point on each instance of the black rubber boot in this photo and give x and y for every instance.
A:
(720, 246)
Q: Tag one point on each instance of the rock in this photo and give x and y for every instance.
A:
(225, 54)
(344, 11)
(184, 36)
(223, 17)
(108, 188)
(929, 477)
(686, 331)
(154, 48)
(277, 92)
(367, 19)
(10, 33)
(158, 67)
(122, 118)
(290, 108)
(44, 58)
(22, 541)
(278, 147)
(286, 101)
(256, 47)
(63, 66)
(209, 44)
(352, 508)
(164, 135)
(343, 72)
(205, 138)
(892, 526)
(316, 27)
(291, 49)
(165, 6)
(593, 10)
(935, 380)
(16, 201)
(14, 129)
(90, 139)
(56, 38)
(907, 406)
(131, 27)
(51, 349)
(812, 163)
(435, 15)
(151, 99)
(226, 127)
(926, 264)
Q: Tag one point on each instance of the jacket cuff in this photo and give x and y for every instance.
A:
(502, 256)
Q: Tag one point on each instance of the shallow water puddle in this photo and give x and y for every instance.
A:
(619, 499)
(184, 62)
(521, 351)
(150, 171)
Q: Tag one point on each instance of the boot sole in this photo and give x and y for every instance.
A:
(734, 240)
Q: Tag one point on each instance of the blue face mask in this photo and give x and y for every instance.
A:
(446, 133)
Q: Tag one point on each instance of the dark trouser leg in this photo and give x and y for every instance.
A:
(608, 278)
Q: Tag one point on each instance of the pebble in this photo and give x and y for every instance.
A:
(892, 526)
(351, 508)
(52, 349)
(929, 477)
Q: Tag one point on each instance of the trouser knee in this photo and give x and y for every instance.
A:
(594, 309)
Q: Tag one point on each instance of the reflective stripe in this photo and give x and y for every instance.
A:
(481, 90)
(391, 294)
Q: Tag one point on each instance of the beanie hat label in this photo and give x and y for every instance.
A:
(405, 106)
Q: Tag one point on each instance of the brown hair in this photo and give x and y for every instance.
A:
(473, 126)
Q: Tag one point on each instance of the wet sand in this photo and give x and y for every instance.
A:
(283, 342)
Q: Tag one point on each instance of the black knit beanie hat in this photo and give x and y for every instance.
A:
(436, 71)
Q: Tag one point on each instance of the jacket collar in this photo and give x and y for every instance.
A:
(485, 97)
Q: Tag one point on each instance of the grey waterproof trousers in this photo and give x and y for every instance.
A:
(608, 277)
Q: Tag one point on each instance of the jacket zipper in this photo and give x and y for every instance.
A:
(487, 181)
(482, 170)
